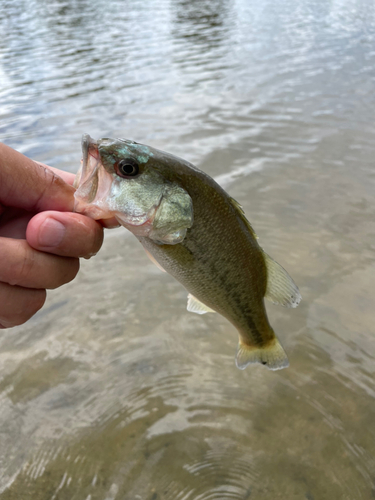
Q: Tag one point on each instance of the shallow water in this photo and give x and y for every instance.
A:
(115, 391)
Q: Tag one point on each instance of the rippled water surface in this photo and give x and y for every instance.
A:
(114, 391)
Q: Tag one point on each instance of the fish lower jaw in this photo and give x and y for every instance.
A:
(142, 229)
(92, 211)
(139, 226)
(147, 230)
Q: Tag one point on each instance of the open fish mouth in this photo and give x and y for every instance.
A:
(90, 160)
(86, 181)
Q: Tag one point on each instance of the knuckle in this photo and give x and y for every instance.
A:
(38, 300)
(95, 244)
(73, 269)
(92, 240)
(68, 271)
(21, 306)
(22, 267)
(34, 303)
(98, 239)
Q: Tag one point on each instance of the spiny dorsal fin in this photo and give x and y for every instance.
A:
(196, 306)
(239, 208)
(281, 289)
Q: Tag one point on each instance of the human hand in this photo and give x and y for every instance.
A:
(41, 240)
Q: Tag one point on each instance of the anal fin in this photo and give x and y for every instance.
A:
(196, 306)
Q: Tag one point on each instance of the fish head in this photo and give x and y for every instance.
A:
(129, 181)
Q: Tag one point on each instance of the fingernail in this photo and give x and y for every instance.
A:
(51, 233)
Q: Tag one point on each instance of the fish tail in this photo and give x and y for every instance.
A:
(271, 355)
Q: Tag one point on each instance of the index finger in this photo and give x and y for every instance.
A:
(68, 177)
(29, 185)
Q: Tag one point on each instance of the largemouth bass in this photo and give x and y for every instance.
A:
(195, 231)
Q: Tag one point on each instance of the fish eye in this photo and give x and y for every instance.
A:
(127, 167)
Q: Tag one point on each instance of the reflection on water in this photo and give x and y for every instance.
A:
(202, 23)
(115, 391)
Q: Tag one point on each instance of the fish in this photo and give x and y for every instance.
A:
(195, 231)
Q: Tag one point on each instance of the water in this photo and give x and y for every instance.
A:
(115, 392)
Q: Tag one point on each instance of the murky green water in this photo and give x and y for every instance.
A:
(114, 391)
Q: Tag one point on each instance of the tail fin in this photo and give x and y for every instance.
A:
(272, 355)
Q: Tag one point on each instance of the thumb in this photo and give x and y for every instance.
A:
(28, 185)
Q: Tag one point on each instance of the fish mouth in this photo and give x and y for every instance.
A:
(92, 182)
(89, 150)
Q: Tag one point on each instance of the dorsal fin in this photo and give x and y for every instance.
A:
(281, 289)
(241, 213)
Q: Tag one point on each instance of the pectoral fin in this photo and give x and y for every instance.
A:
(196, 306)
(154, 261)
(281, 289)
